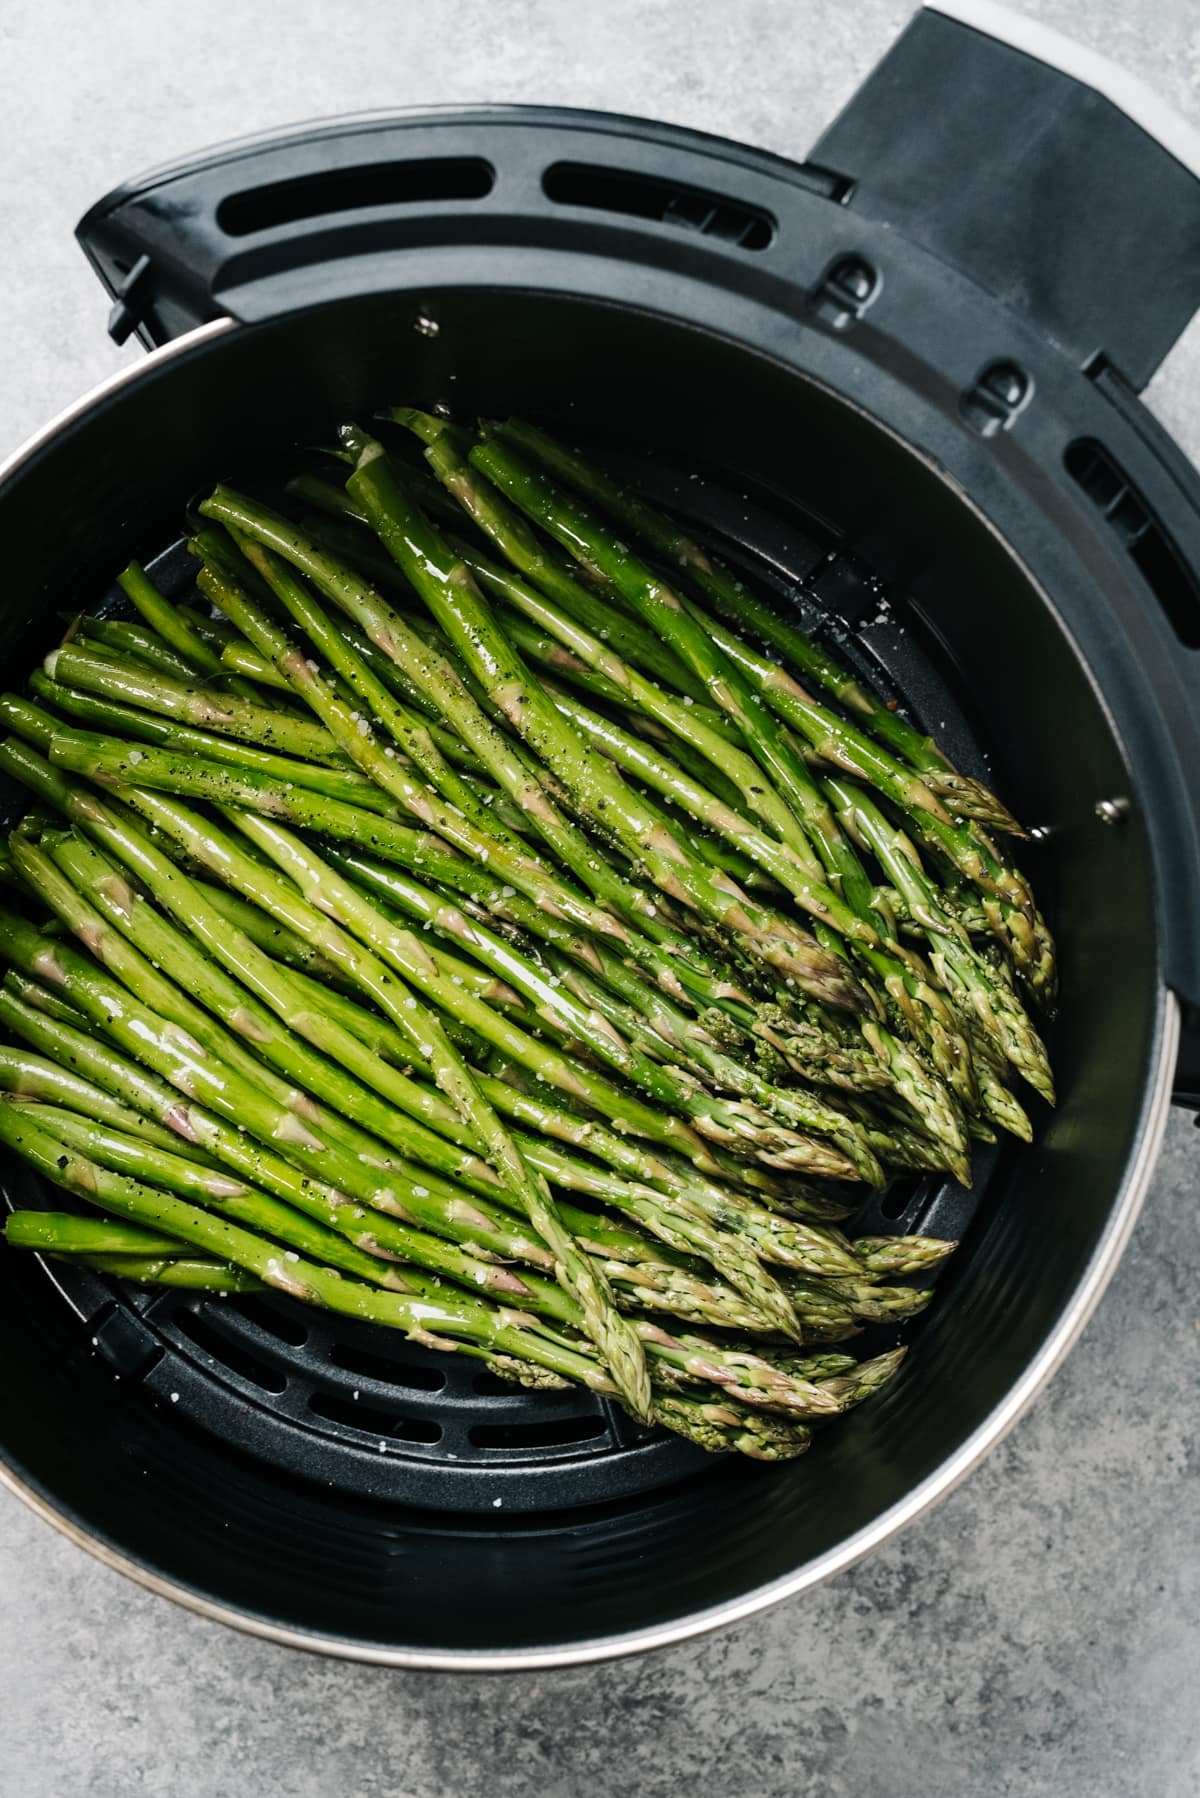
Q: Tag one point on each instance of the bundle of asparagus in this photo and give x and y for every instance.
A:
(448, 915)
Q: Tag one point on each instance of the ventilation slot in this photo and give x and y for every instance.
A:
(898, 1199)
(1172, 583)
(649, 197)
(285, 1323)
(352, 190)
(233, 1356)
(372, 1421)
(419, 1376)
(490, 1385)
(548, 1433)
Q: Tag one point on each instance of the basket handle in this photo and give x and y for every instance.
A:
(1048, 176)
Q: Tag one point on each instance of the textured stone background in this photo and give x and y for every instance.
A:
(1040, 1632)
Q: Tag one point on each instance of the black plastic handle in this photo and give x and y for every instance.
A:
(1032, 179)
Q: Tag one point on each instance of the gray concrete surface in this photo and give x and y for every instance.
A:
(1039, 1634)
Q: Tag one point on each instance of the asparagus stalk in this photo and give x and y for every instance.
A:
(670, 958)
(355, 1251)
(424, 1319)
(315, 1145)
(599, 980)
(235, 653)
(113, 946)
(220, 629)
(723, 1120)
(903, 980)
(43, 1082)
(734, 600)
(534, 557)
(184, 1273)
(130, 644)
(106, 718)
(964, 972)
(595, 784)
(662, 1287)
(171, 954)
(483, 1227)
(361, 1101)
(699, 1360)
(63, 1233)
(484, 845)
(175, 630)
(224, 713)
(599, 647)
(717, 1424)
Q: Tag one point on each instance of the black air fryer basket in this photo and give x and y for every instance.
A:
(909, 366)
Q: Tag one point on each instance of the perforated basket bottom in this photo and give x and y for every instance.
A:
(358, 1407)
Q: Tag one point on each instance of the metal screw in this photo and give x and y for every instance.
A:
(1112, 811)
(428, 327)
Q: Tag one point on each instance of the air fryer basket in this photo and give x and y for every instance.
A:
(924, 481)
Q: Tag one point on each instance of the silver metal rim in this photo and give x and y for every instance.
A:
(947, 1476)
(124, 377)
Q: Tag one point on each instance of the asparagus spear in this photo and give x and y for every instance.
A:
(130, 644)
(74, 1052)
(238, 1021)
(226, 713)
(184, 1273)
(697, 1360)
(479, 1227)
(302, 1278)
(892, 1256)
(45, 1082)
(171, 955)
(734, 600)
(534, 557)
(599, 646)
(604, 985)
(724, 1120)
(235, 653)
(360, 1101)
(63, 1233)
(342, 783)
(175, 630)
(595, 785)
(899, 976)
(355, 1250)
(669, 957)
(962, 969)
(449, 592)
(317, 1148)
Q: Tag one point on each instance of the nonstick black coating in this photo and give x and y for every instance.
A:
(981, 657)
